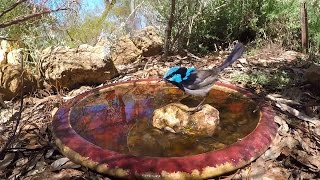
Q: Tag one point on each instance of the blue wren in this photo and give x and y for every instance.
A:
(199, 82)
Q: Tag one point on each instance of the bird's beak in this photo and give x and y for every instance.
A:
(159, 80)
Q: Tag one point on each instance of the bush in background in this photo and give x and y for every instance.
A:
(209, 24)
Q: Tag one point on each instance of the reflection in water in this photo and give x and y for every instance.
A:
(120, 119)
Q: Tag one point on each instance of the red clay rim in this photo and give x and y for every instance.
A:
(197, 166)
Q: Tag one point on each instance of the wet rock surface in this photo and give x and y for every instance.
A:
(179, 118)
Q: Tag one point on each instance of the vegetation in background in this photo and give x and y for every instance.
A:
(209, 24)
(276, 80)
(31, 24)
(117, 18)
(199, 26)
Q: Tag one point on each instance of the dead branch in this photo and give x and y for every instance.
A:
(11, 7)
(297, 113)
(21, 19)
(278, 98)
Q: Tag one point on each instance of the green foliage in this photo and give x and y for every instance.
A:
(14, 32)
(205, 24)
(88, 27)
(278, 79)
(34, 34)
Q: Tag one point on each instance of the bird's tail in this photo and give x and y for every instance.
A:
(233, 56)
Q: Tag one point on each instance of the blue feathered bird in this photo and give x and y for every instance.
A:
(199, 82)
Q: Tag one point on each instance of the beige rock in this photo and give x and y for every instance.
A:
(73, 67)
(10, 81)
(6, 46)
(148, 41)
(125, 51)
(3, 57)
(292, 56)
(178, 118)
(144, 42)
(15, 56)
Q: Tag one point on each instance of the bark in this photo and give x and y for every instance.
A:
(167, 41)
(304, 28)
(24, 18)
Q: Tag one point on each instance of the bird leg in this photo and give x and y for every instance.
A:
(199, 107)
(184, 96)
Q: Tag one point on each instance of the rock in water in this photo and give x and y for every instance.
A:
(177, 118)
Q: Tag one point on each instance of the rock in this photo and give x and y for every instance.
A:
(145, 42)
(6, 46)
(3, 57)
(243, 61)
(148, 41)
(292, 56)
(125, 51)
(10, 84)
(73, 67)
(312, 75)
(15, 56)
(177, 118)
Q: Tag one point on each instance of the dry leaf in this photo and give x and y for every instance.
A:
(7, 160)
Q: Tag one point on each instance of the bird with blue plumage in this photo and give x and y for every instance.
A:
(199, 82)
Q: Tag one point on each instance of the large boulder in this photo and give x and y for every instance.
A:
(10, 81)
(124, 51)
(148, 41)
(73, 67)
(179, 118)
(145, 42)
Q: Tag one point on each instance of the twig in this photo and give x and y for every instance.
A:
(135, 9)
(24, 18)
(278, 98)
(191, 55)
(297, 113)
(11, 7)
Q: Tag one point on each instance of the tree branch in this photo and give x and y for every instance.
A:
(11, 7)
(21, 19)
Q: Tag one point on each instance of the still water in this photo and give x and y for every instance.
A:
(119, 118)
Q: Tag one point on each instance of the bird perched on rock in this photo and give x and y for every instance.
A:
(199, 82)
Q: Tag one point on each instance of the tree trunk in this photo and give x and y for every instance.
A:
(167, 41)
(304, 28)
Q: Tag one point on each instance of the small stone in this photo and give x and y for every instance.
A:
(179, 118)
(15, 56)
(243, 61)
